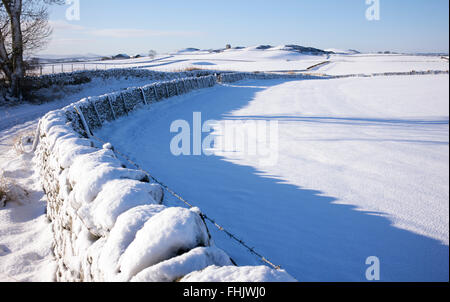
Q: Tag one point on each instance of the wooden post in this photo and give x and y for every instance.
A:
(143, 95)
(83, 121)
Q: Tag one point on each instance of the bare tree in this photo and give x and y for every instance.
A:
(13, 10)
(152, 53)
(24, 28)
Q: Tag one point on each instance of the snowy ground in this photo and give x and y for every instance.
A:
(374, 63)
(248, 59)
(25, 233)
(362, 171)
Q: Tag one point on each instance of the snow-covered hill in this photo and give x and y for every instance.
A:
(283, 58)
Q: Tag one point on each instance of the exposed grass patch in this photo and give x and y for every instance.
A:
(49, 94)
(10, 191)
(191, 69)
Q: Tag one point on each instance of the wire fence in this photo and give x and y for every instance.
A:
(190, 205)
(45, 69)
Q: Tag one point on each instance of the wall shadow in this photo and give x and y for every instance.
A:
(302, 230)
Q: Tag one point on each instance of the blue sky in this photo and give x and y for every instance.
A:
(136, 26)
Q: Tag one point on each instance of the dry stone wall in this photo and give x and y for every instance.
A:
(79, 77)
(109, 222)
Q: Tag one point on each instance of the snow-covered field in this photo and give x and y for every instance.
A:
(362, 171)
(274, 59)
(248, 59)
(362, 165)
(374, 63)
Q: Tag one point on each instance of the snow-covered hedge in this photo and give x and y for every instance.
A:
(109, 221)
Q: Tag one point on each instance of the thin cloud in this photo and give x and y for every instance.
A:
(64, 27)
(63, 41)
(139, 33)
(60, 25)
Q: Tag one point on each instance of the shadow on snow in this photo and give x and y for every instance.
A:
(302, 230)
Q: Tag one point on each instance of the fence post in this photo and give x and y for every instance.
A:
(62, 67)
(53, 69)
(72, 67)
(40, 69)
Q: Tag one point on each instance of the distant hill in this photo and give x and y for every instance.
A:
(50, 58)
(295, 48)
(121, 56)
(264, 47)
(306, 50)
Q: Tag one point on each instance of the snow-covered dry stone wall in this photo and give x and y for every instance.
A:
(387, 74)
(230, 77)
(78, 77)
(109, 221)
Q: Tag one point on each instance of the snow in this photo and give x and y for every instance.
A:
(247, 59)
(89, 173)
(163, 236)
(195, 260)
(362, 171)
(71, 148)
(122, 235)
(238, 274)
(381, 127)
(25, 233)
(116, 197)
(25, 244)
(375, 63)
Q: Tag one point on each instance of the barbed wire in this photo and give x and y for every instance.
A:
(203, 215)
